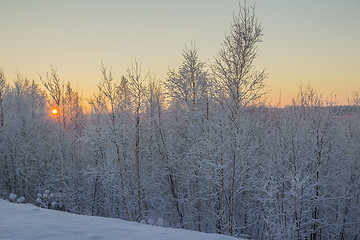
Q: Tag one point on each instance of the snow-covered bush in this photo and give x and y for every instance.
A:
(53, 204)
(151, 221)
(20, 199)
(12, 197)
(46, 200)
(160, 222)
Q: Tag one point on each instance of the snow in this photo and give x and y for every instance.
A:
(20, 199)
(26, 221)
(12, 196)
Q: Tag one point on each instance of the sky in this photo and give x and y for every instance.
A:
(305, 42)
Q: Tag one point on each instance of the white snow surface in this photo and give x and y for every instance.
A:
(26, 222)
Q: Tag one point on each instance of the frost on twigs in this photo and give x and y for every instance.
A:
(47, 200)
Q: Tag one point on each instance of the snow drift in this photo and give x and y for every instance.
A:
(26, 221)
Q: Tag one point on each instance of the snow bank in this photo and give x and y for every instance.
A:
(26, 221)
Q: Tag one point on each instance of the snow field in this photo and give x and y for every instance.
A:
(26, 221)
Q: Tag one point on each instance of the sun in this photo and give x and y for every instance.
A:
(54, 111)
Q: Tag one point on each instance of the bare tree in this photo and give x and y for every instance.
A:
(356, 98)
(107, 103)
(234, 68)
(55, 87)
(239, 85)
(138, 89)
(2, 92)
(189, 84)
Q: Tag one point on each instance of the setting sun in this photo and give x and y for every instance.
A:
(54, 111)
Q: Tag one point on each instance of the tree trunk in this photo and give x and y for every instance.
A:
(137, 156)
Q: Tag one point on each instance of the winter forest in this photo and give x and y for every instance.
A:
(201, 149)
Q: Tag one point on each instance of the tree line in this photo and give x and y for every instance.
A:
(201, 149)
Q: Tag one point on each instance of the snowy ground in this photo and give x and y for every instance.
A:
(26, 221)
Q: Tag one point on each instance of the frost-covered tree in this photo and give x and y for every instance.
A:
(3, 88)
(55, 87)
(241, 84)
(199, 150)
(109, 139)
(188, 89)
(67, 151)
(356, 98)
(138, 90)
(24, 135)
(188, 86)
(238, 86)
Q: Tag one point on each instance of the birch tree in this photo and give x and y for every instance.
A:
(239, 85)
(188, 89)
(137, 88)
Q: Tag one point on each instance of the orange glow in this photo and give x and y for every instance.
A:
(54, 111)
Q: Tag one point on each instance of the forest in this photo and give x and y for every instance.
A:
(200, 149)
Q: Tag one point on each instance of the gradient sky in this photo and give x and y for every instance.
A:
(314, 42)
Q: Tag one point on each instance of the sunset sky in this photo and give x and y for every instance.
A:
(305, 42)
